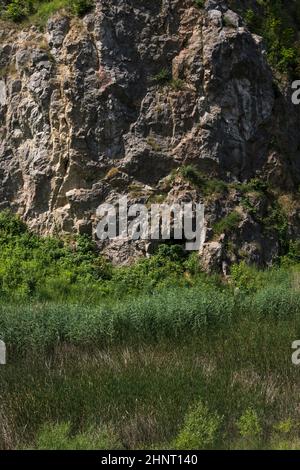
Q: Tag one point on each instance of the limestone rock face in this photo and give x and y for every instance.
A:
(113, 103)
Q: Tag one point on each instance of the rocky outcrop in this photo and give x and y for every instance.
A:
(115, 102)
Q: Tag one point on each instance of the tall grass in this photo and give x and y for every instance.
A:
(143, 392)
(158, 355)
(148, 371)
(170, 313)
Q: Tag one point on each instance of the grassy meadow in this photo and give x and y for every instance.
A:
(158, 355)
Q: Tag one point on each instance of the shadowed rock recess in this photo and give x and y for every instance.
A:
(160, 100)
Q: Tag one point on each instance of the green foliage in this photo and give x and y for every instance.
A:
(200, 429)
(251, 18)
(255, 184)
(198, 179)
(17, 10)
(293, 254)
(177, 84)
(163, 269)
(59, 437)
(191, 173)
(51, 269)
(228, 223)
(284, 427)
(47, 268)
(199, 3)
(44, 9)
(11, 226)
(285, 435)
(137, 367)
(277, 22)
(80, 7)
(249, 426)
(163, 76)
(287, 444)
(168, 313)
(40, 10)
(43, 266)
(245, 277)
(277, 221)
(143, 344)
(275, 301)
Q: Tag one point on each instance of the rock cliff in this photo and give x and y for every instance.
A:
(160, 100)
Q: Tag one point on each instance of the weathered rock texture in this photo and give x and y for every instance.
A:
(82, 120)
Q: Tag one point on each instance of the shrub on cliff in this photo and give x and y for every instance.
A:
(17, 10)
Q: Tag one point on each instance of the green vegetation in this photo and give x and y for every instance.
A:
(40, 10)
(177, 84)
(200, 3)
(157, 355)
(250, 428)
(200, 429)
(45, 268)
(42, 269)
(277, 21)
(162, 77)
(61, 437)
(17, 10)
(43, 10)
(275, 220)
(189, 391)
(201, 181)
(274, 20)
(228, 223)
(81, 7)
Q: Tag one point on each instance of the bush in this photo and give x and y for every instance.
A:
(277, 22)
(30, 263)
(60, 437)
(249, 425)
(44, 9)
(48, 268)
(244, 277)
(191, 173)
(200, 3)
(250, 429)
(11, 225)
(228, 223)
(200, 430)
(197, 178)
(162, 77)
(17, 10)
(293, 255)
(81, 7)
(284, 427)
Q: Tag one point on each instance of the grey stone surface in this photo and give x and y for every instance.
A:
(80, 100)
